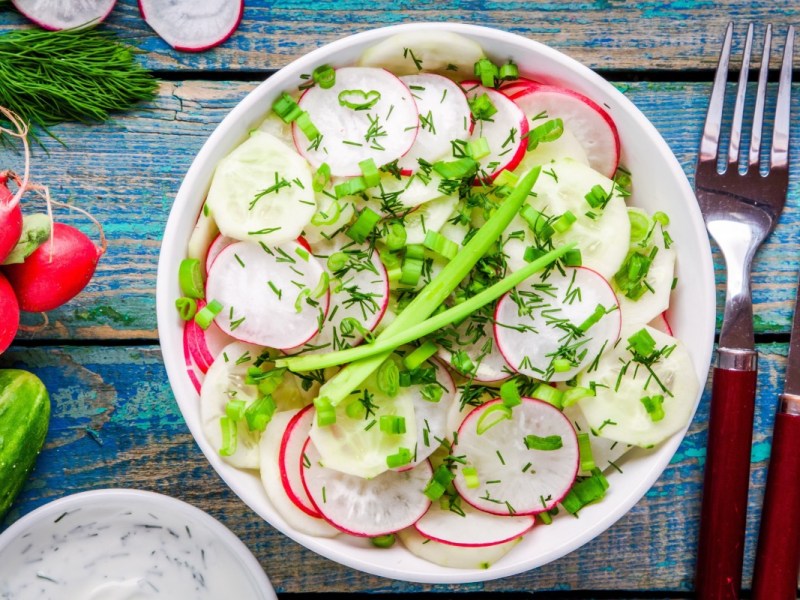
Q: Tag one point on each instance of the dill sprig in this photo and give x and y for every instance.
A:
(49, 77)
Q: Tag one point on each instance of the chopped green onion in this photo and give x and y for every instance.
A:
(234, 409)
(562, 365)
(417, 376)
(392, 424)
(471, 477)
(324, 76)
(229, 436)
(537, 222)
(597, 197)
(396, 236)
(383, 541)
(207, 314)
(487, 71)
(298, 302)
(564, 222)
(350, 187)
(322, 286)
(191, 279)
(441, 245)
(326, 414)
(585, 452)
(533, 253)
(359, 99)
(640, 224)
(456, 169)
(411, 270)
(491, 416)
(572, 258)
(419, 355)
(267, 381)
(642, 343)
(402, 458)
(482, 107)
(654, 405)
(355, 410)
(478, 148)
(631, 275)
(506, 178)
(598, 313)
(509, 71)
(187, 308)
(462, 362)
(321, 178)
(572, 395)
(585, 492)
(307, 127)
(337, 261)
(546, 443)
(432, 392)
(388, 378)
(286, 108)
(437, 486)
(548, 394)
(545, 517)
(260, 412)
(661, 218)
(434, 490)
(369, 171)
(549, 131)
(365, 223)
(415, 251)
(510, 394)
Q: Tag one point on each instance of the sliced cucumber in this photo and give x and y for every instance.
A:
(617, 411)
(409, 53)
(261, 192)
(430, 216)
(332, 216)
(605, 452)
(276, 126)
(565, 146)
(458, 557)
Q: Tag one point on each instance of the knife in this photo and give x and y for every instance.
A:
(778, 553)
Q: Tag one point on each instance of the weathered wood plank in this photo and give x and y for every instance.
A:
(128, 170)
(639, 35)
(115, 423)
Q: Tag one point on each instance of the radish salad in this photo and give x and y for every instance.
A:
(420, 302)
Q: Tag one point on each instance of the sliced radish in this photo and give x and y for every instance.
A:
(572, 317)
(475, 528)
(367, 114)
(444, 116)
(192, 26)
(591, 124)
(661, 324)
(475, 336)
(286, 313)
(457, 557)
(517, 86)
(218, 245)
(359, 290)
(384, 504)
(64, 14)
(204, 345)
(504, 130)
(291, 459)
(271, 474)
(513, 478)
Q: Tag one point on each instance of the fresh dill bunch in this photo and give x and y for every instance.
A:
(49, 77)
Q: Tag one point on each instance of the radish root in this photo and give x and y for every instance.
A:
(20, 131)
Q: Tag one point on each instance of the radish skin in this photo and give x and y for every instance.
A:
(56, 271)
(10, 225)
(9, 308)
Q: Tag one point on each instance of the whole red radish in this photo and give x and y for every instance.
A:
(56, 271)
(10, 219)
(9, 309)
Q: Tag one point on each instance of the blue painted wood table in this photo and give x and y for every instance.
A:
(115, 422)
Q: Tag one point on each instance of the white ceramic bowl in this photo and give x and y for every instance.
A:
(120, 533)
(660, 184)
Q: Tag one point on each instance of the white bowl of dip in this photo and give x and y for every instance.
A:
(120, 544)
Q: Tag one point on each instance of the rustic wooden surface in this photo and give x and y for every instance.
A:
(115, 422)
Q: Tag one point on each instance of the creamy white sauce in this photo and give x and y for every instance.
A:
(114, 553)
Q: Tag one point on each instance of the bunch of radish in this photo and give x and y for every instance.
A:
(42, 264)
(185, 25)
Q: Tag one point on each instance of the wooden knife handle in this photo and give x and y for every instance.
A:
(727, 478)
(778, 554)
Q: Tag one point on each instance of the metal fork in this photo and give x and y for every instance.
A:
(740, 210)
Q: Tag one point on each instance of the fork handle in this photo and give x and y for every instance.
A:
(727, 478)
(778, 555)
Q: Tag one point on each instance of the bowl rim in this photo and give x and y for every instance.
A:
(153, 500)
(705, 298)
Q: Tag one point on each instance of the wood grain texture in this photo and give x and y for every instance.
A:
(127, 172)
(115, 424)
(641, 35)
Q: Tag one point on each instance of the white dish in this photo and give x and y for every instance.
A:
(660, 184)
(119, 543)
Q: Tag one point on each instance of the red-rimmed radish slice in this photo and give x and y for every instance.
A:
(291, 459)
(431, 417)
(218, 245)
(661, 324)
(514, 478)
(511, 88)
(572, 316)
(64, 14)
(271, 478)
(270, 296)
(367, 507)
(204, 345)
(592, 125)
(444, 116)
(475, 528)
(192, 26)
(196, 376)
(359, 290)
(367, 113)
(475, 336)
(225, 381)
(457, 557)
(505, 130)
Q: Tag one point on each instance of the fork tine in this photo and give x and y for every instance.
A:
(741, 93)
(779, 156)
(710, 142)
(758, 113)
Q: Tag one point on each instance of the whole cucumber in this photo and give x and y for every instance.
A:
(24, 419)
